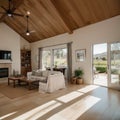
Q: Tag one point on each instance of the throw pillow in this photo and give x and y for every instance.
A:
(39, 73)
(33, 72)
(45, 73)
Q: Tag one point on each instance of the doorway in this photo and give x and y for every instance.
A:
(100, 76)
(106, 64)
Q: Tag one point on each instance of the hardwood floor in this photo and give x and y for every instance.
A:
(76, 102)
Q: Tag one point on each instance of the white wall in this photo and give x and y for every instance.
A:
(10, 40)
(24, 44)
(83, 38)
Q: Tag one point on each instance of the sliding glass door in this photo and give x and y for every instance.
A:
(106, 64)
(100, 63)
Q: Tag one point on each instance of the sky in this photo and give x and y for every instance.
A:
(99, 48)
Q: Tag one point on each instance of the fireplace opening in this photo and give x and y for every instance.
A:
(3, 72)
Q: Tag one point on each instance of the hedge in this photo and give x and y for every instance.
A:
(101, 69)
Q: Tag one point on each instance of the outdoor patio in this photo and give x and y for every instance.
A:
(101, 79)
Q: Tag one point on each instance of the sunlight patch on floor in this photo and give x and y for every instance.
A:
(68, 97)
(76, 110)
(88, 88)
(38, 111)
(5, 116)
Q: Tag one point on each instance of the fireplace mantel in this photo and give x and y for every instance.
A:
(5, 61)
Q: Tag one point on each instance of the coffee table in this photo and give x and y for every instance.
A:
(19, 80)
(29, 83)
(14, 79)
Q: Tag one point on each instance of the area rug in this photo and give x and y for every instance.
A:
(16, 92)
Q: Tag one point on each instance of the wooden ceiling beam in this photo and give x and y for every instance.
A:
(16, 4)
(66, 25)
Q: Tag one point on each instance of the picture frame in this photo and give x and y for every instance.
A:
(80, 55)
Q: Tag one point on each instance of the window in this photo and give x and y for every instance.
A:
(60, 57)
(54, 57)
(46, 59)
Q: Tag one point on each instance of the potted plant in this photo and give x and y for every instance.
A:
(78, 74)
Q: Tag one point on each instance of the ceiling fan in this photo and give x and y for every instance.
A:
(27, 30)
(10, 10)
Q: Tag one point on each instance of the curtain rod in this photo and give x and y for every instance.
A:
(55, 45)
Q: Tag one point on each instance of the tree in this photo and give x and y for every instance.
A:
(97, 58)
(104, 58)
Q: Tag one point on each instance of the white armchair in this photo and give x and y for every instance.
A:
(54, 82)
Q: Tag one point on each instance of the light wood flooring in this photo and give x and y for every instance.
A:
(76, 102)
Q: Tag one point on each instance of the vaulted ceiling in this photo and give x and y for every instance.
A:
(49, 18)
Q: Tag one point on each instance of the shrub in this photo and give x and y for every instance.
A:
(101, 69)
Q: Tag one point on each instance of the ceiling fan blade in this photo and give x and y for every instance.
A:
(16, 4)
(18, 14)
(32, 31)
(3, 8)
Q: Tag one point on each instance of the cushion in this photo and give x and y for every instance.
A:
(43, 79)
(54, 72)
(33, 72)
(40, 78)
(39, 73)
(45, 73)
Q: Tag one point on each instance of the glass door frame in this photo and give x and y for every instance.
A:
(109, 84)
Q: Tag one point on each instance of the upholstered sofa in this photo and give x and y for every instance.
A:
(49, 81)
(38, 75)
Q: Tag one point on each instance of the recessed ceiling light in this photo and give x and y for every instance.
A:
(28, 12)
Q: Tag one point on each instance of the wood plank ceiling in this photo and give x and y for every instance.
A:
(49, 18)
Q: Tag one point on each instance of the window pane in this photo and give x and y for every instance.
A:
(46, 59)
(60, 57)
(115, 63)
(100, 64)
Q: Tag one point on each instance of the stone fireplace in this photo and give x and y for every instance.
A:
(5, 69)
